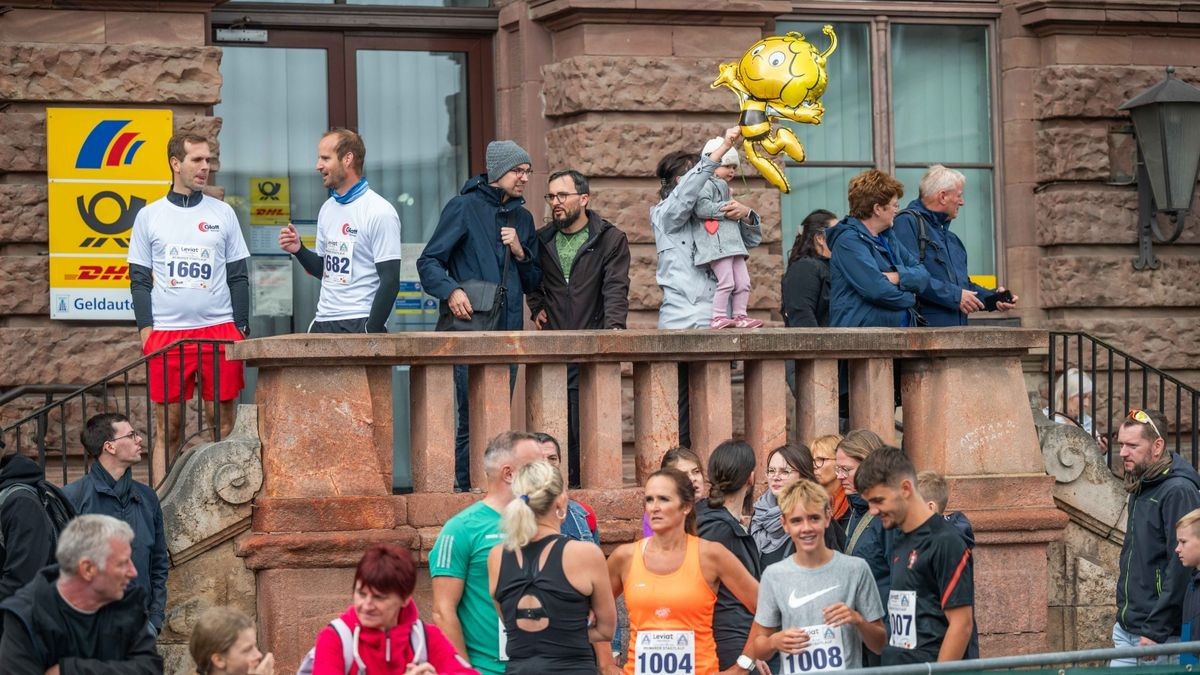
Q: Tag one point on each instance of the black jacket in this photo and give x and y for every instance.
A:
(731, 619)
(1152, 581)
(874, 545)
(805, 292)
(597, 296)
(36, 638)
(27, 531)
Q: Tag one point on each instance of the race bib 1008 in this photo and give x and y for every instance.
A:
(665, 651)
(902, 616)
(823, 653)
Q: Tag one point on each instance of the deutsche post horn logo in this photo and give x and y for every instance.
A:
(125, 217)
(269, 189)
(106, 145)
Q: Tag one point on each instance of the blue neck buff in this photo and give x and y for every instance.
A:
(353, 193)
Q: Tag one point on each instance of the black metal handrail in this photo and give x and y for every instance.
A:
(100, 389)
(1067, 351)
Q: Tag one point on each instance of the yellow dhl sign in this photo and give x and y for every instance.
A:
(108, 144)
(97, 217)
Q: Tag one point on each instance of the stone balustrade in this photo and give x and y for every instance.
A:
(325, 422)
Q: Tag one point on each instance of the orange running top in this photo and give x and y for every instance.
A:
(681, 600)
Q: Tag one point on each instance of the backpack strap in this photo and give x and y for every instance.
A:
(417, 640)
(922, 234)
(8, 492)
(859, 529)
(347, 638)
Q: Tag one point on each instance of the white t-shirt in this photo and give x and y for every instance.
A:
(187, 250)
(352, 238)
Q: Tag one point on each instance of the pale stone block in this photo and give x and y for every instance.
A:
(432, 430)
(656, 415)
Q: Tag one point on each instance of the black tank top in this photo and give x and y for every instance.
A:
(563, 644)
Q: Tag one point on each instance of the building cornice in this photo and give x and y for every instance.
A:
(1047, 17)
(560, 14)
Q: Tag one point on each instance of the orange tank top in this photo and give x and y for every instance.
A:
(669, 606)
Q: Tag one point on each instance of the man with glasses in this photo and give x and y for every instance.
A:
(484, 234)
(1163, 487)
(109, 489)
(585, 280)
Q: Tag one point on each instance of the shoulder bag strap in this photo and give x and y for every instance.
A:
(859, 529)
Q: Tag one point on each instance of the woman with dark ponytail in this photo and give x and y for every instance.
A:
(805, 284)
(723, 519)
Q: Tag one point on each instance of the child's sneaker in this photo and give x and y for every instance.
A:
(723, 322)
(744, 321)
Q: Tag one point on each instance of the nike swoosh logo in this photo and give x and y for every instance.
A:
(795, 602)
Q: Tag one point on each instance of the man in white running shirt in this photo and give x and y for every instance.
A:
(189, 281)
(357, 256)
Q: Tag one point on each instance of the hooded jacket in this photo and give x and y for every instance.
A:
(97, 492)
(36, 637)
(946, 261)
(860, 296)
(1152, 581)
(732, 238)
(687, 290)
(385, 652)
(873, 545)
(597, 295)
(731, 619)
(466, 245)
(29, 536)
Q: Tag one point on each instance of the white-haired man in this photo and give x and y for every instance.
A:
(83, 616)
(924, 229)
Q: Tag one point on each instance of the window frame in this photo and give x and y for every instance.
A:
(879, 17)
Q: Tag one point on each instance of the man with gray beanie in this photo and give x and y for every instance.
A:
(484, 234)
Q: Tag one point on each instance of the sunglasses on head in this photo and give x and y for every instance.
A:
(1141, 417)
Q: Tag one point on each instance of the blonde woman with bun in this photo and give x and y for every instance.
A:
(546, 585)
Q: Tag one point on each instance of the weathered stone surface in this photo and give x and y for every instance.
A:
(1170, 341)
(1072, 152)
(23, 135)
(629, 209)
(634, 84)
(65, 353)
(110, 73)
(644, 292)
(1089, 280)
(23, 214)
(213, 579)
(1097, 215)
(607, 148)
(1094, 90)
(318, 549)
(24, 284)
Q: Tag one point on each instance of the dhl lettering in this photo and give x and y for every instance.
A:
(100, 273)
(268, 211)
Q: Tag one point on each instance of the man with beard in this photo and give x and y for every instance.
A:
(1162, 489)
(358, 243)
(585, 280)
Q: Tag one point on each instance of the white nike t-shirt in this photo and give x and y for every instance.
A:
(791, 596)
(352, 238)
(187, 250)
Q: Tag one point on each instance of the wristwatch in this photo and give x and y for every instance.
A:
(745, 663)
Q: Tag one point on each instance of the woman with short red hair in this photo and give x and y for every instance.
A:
(384, 631)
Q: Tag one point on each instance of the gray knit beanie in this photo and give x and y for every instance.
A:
(502, 157)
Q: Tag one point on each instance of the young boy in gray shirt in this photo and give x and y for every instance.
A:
(817, 607)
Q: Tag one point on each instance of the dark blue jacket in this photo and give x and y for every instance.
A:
(93, 494)
(860, 296)
(466, 245)
(1152, 580)
(1190, 629)
(873, 545)
(946, 261)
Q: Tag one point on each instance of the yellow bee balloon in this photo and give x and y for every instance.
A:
(780, 76)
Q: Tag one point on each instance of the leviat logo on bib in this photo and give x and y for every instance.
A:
(902, 614)
(823, 653)
(665, 651)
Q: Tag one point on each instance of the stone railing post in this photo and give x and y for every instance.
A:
(655, 415)
(489, 388)
(766, 393)
(600, 425)
(546, 400)
(816, 399)
(431, 414)
(872, 397)
(710, 401)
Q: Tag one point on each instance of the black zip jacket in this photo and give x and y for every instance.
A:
(36, 637)
(1152, 581)
(597, 296)
(731, 619)
(28, 533)
(805, 293)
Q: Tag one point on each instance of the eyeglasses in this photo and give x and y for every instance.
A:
(844, 470)
(131, 434)
(559, 197)
(522, 172)
(819, 462)
(782, 473)
(1141, 416)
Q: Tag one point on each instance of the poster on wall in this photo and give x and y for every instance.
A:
(103, 166)
(270, 209)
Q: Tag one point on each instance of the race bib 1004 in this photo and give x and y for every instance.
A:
(902, 614)
(665, 651)
(824, 652)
